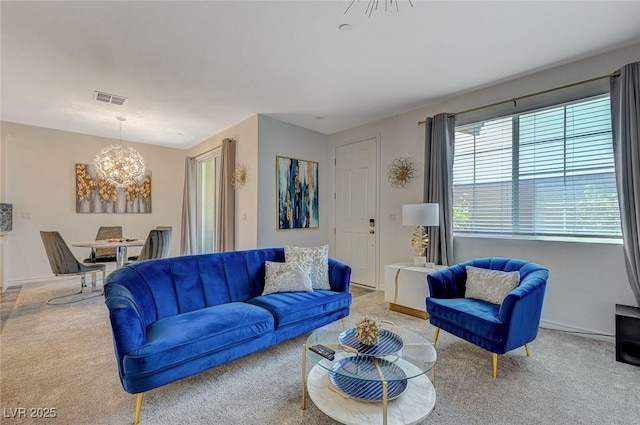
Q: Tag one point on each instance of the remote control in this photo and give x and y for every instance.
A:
(325, 352)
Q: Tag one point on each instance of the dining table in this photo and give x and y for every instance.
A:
(120, 244)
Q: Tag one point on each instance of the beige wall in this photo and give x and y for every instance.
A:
(3, 169)
(587, 280)
(246, 136)
(259, 140)
(40, 183)
(38, 174)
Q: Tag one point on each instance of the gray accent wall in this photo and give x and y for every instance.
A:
(282, 139)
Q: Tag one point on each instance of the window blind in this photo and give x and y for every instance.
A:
(547, 172)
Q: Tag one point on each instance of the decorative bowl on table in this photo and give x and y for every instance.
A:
(360, 377)
(389, 343)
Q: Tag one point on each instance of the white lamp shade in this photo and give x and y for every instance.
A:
(420, 215)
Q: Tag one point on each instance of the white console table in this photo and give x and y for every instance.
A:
(406, 289)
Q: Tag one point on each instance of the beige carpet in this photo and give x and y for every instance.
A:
(61, 357)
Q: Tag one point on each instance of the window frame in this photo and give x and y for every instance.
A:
(514, 231)
(206, 243)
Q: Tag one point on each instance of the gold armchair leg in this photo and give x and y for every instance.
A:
(526, 348)
(344, 323)
(494, 358)
(435, 339)
(136, 416)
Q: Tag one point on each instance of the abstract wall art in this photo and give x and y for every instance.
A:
(297, 193)
(96, 195)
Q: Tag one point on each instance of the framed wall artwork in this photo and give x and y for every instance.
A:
(95, 195)
(297, 193)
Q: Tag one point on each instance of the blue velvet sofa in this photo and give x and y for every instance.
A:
(497, 328)
(175, 317)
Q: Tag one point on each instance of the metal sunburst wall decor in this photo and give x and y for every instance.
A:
(401, 172)
(239, 177)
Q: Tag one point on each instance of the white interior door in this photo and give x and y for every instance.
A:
(356, 213)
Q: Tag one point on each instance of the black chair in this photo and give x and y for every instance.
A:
(64, 263)
(105, 255)
(157, 245)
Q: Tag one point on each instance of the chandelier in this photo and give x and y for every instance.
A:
(373, 5)
(120, 165)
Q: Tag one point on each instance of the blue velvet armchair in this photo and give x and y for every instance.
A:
(496, 328)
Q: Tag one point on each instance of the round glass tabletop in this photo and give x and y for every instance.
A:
(415, 356)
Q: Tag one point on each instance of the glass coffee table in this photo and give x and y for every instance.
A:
(383, 384)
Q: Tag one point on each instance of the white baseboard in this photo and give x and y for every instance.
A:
(590, 333)
(40, 279)
(50, 278)
(35, 280)
(359, 285)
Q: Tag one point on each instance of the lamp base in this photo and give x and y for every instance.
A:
(419, 261)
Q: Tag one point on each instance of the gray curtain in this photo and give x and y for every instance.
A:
(438, 176)
(188, 241)
(625, 120)
(225, 230)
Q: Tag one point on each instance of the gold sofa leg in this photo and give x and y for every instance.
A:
(494, 358)
(136, 416)
(435, 339)
(526, 348)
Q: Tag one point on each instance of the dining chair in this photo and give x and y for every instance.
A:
(157, 245)
(64, 263)
(104, 255)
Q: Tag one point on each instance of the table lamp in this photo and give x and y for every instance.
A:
(420, 215)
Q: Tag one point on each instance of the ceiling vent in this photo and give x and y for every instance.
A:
(109, 98)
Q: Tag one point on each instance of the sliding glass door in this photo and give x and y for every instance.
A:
(208, 191)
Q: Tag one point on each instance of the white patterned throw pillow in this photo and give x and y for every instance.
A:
(490, 285)
(316, 258)
(285, 277)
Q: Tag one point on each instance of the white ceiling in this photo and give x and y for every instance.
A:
(193, 69)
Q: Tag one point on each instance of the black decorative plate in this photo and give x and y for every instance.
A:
(389, 343)
(368, 385)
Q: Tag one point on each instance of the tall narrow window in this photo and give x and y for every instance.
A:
(547, 172)
(208, 191)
